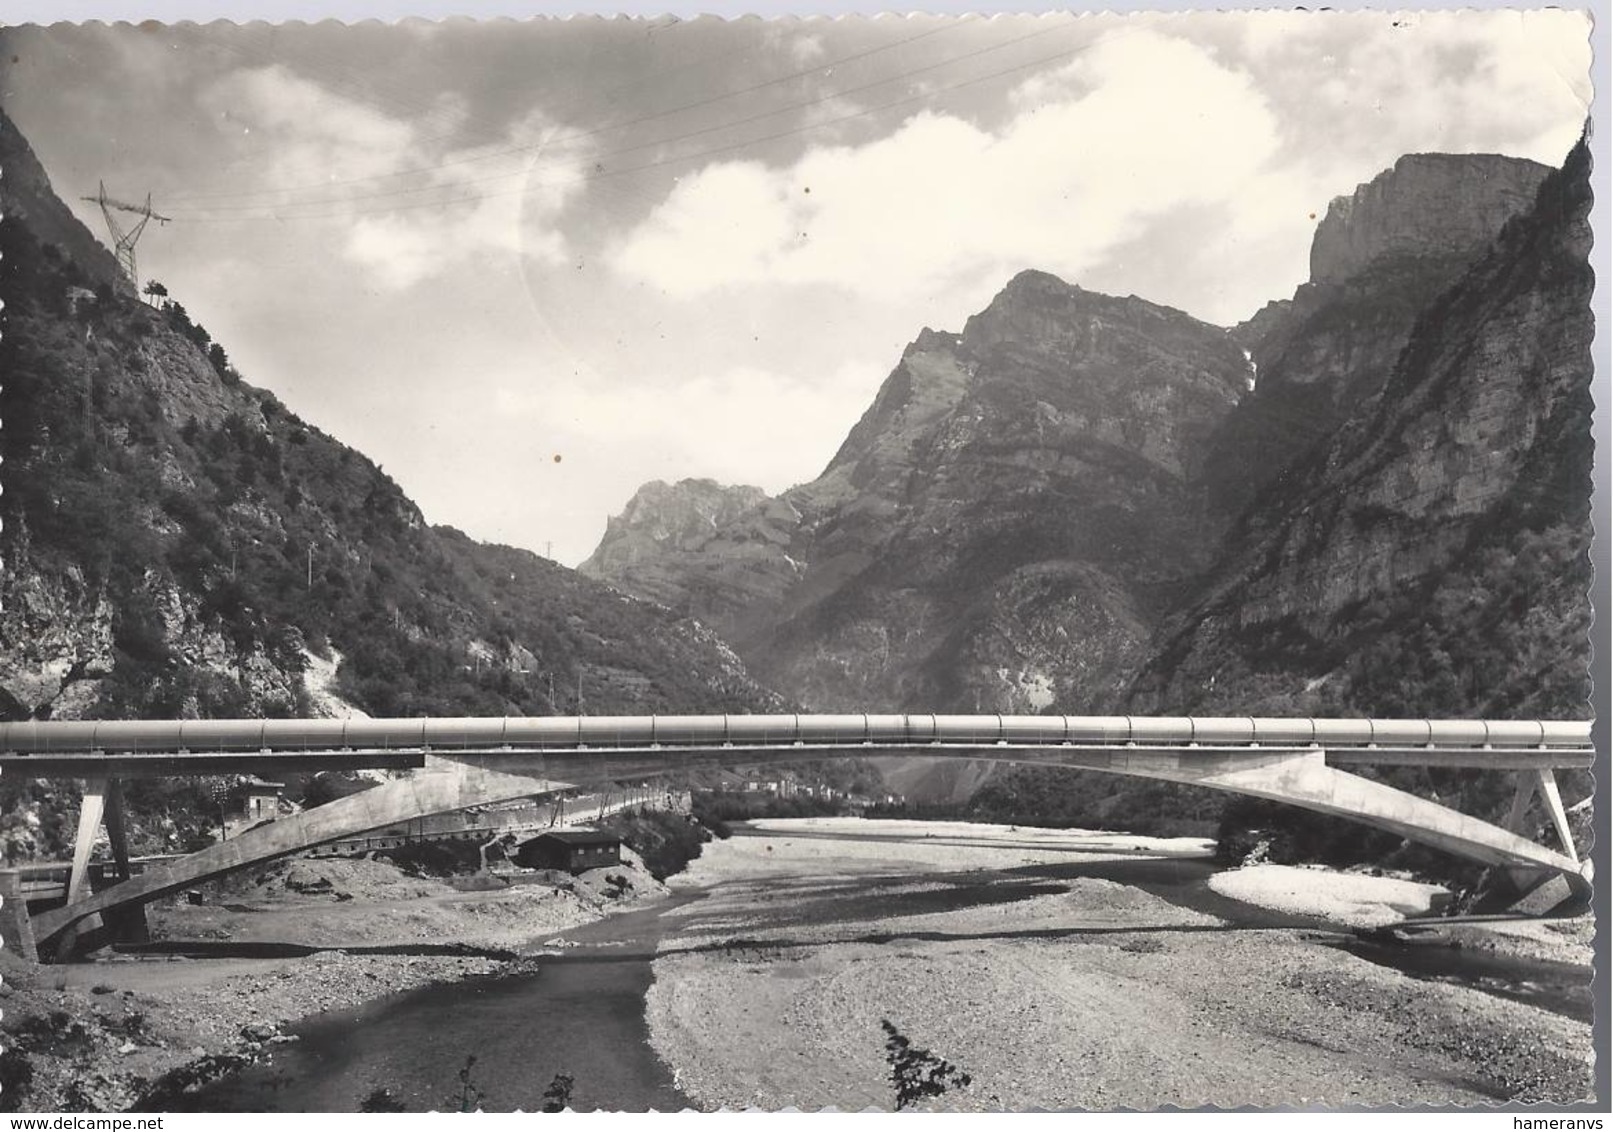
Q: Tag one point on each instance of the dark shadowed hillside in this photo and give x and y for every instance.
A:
(178, 542)
(1433, 557)
(1379, 257)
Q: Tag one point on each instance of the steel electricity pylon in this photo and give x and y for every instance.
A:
(123, 242)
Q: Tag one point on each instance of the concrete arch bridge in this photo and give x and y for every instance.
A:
(460, 763)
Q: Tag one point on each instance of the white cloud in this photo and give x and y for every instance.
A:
(456, 203)
(1390, 83)
(807, 49)
(1258, 132)
(1094, 151)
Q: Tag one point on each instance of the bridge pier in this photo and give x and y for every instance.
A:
(16, 926)
(102, 805)
(91, 810)
(1535, 891)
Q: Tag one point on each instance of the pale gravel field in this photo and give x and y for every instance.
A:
(801, 844)
(1351, 899)
(1097, 995)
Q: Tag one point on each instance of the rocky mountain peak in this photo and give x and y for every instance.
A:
(1430, 205)
(679, 515)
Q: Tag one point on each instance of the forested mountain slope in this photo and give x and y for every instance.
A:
(178, 543)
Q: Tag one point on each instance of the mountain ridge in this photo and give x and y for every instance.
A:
(1051, 392)
(852, 569)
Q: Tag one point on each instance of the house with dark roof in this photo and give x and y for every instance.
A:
(570, 850)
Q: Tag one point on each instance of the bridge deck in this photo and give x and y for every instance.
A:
(474, 762)
(336, 737)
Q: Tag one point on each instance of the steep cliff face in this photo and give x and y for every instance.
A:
(1379, 257)
(177, 543)
(1432, 556)
(1429, 205)
(1002, 526)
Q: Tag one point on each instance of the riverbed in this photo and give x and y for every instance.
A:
(1053, 968)
(1116, 978)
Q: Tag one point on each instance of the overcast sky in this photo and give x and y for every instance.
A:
(528, 267)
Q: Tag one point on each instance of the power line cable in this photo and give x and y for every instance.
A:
(583, 134)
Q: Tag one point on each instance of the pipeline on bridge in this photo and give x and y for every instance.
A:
(649, 731)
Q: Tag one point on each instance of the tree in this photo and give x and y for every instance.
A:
(917, 1073)
(156, 291)
(469, 1096)
(382, 1100)
(558, 1095)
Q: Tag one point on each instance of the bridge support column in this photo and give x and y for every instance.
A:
(128, 924)
(1537, 891)
(91, 810)
(1546, 784)
(102, 805)
(16, 926)
(117, 830)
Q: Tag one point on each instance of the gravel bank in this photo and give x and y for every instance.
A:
(1351, 899)
(1084, 993)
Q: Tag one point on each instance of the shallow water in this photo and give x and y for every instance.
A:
(580, 1014)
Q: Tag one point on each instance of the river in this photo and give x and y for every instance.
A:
(579, 1010)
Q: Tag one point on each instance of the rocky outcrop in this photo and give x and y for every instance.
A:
(1431, 557)
(999, 530)
(1379, 257)
(59, 632)
(1428, 206)
(711, 552)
